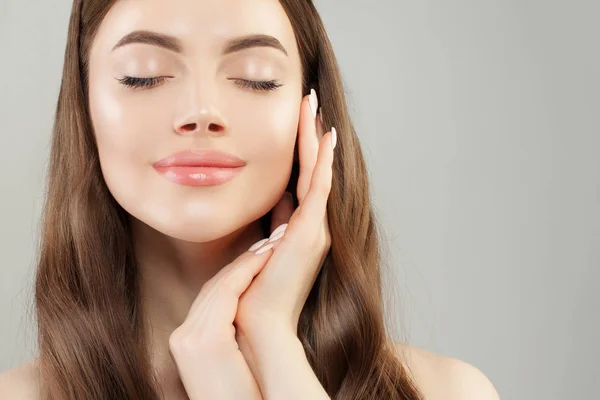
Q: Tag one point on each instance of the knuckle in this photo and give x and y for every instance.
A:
(174, 339)
(190, 343)
(182, 341)
(205, 286)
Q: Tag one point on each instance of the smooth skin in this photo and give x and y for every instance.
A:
(241, 327)
(186, 238)
(265, 310)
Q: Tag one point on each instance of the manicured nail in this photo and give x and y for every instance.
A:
(258, 244)
(279, 229)
(333, 137)
(265, 248)
(276, 236)
(278, 233)
(313, 102)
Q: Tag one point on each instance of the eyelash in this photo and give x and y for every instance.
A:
(136, 83)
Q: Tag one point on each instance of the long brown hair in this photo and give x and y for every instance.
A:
(91, 334)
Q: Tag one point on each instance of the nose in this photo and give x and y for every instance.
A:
(201, 117)
(204, 124)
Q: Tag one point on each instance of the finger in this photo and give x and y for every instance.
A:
(220, 301)
(211, 282)
(320, 125)
(282, 211)
(307, 221)
(308, 145)
(225, 270)
(313, 210)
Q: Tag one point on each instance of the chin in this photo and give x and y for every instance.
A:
(186, 234)
(196, 229)
(189, 218)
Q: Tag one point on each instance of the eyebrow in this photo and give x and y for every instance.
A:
(174, 44)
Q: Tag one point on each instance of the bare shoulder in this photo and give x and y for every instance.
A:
(21, 382)
(440, 377)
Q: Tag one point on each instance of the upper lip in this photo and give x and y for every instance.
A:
(200, 158)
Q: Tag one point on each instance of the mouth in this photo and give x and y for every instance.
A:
(198, 175)
(199, 167)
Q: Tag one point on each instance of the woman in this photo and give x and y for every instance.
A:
(206, 233)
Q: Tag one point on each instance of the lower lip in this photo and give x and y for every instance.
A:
(199, 176)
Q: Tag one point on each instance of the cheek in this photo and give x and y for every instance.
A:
(128, 132)
(266, 129)
(124, 128)
(132, 133)
(265, 133)
(127, 137)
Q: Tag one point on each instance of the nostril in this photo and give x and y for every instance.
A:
(215, 128)
(189, 127)
(194, 127)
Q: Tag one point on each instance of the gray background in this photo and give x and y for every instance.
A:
(480, 123)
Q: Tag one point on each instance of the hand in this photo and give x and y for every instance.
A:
(277, 295)
(269, 310)
(204, 348)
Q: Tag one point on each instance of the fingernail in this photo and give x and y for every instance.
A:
(277, 236)
(279, 229)
(258, 244)
(265, 248)
(333, 137)
(278, 233)
(312, 101)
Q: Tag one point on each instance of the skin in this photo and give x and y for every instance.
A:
(198, 278)
(184, 235)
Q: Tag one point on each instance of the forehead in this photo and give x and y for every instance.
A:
(201, 25)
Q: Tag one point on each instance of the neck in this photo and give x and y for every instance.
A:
(172, 272)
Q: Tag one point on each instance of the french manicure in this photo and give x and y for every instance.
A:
(333, 137)
(265, 248)
(258, 244)
(278, 233)
(278, 230)
(312, 101)
(277, 236)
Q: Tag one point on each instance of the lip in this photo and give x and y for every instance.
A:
(201, 167)
(200, 158)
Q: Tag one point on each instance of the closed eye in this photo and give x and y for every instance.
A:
(149, 82)
(258, 85)
(135, 82)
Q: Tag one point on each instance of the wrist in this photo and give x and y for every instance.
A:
(265, 329)
(269, 343)
(280, 365)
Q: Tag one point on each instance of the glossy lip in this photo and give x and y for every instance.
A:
(202, 167)
(200, 158)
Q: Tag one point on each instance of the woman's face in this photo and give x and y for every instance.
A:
(201, 100)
